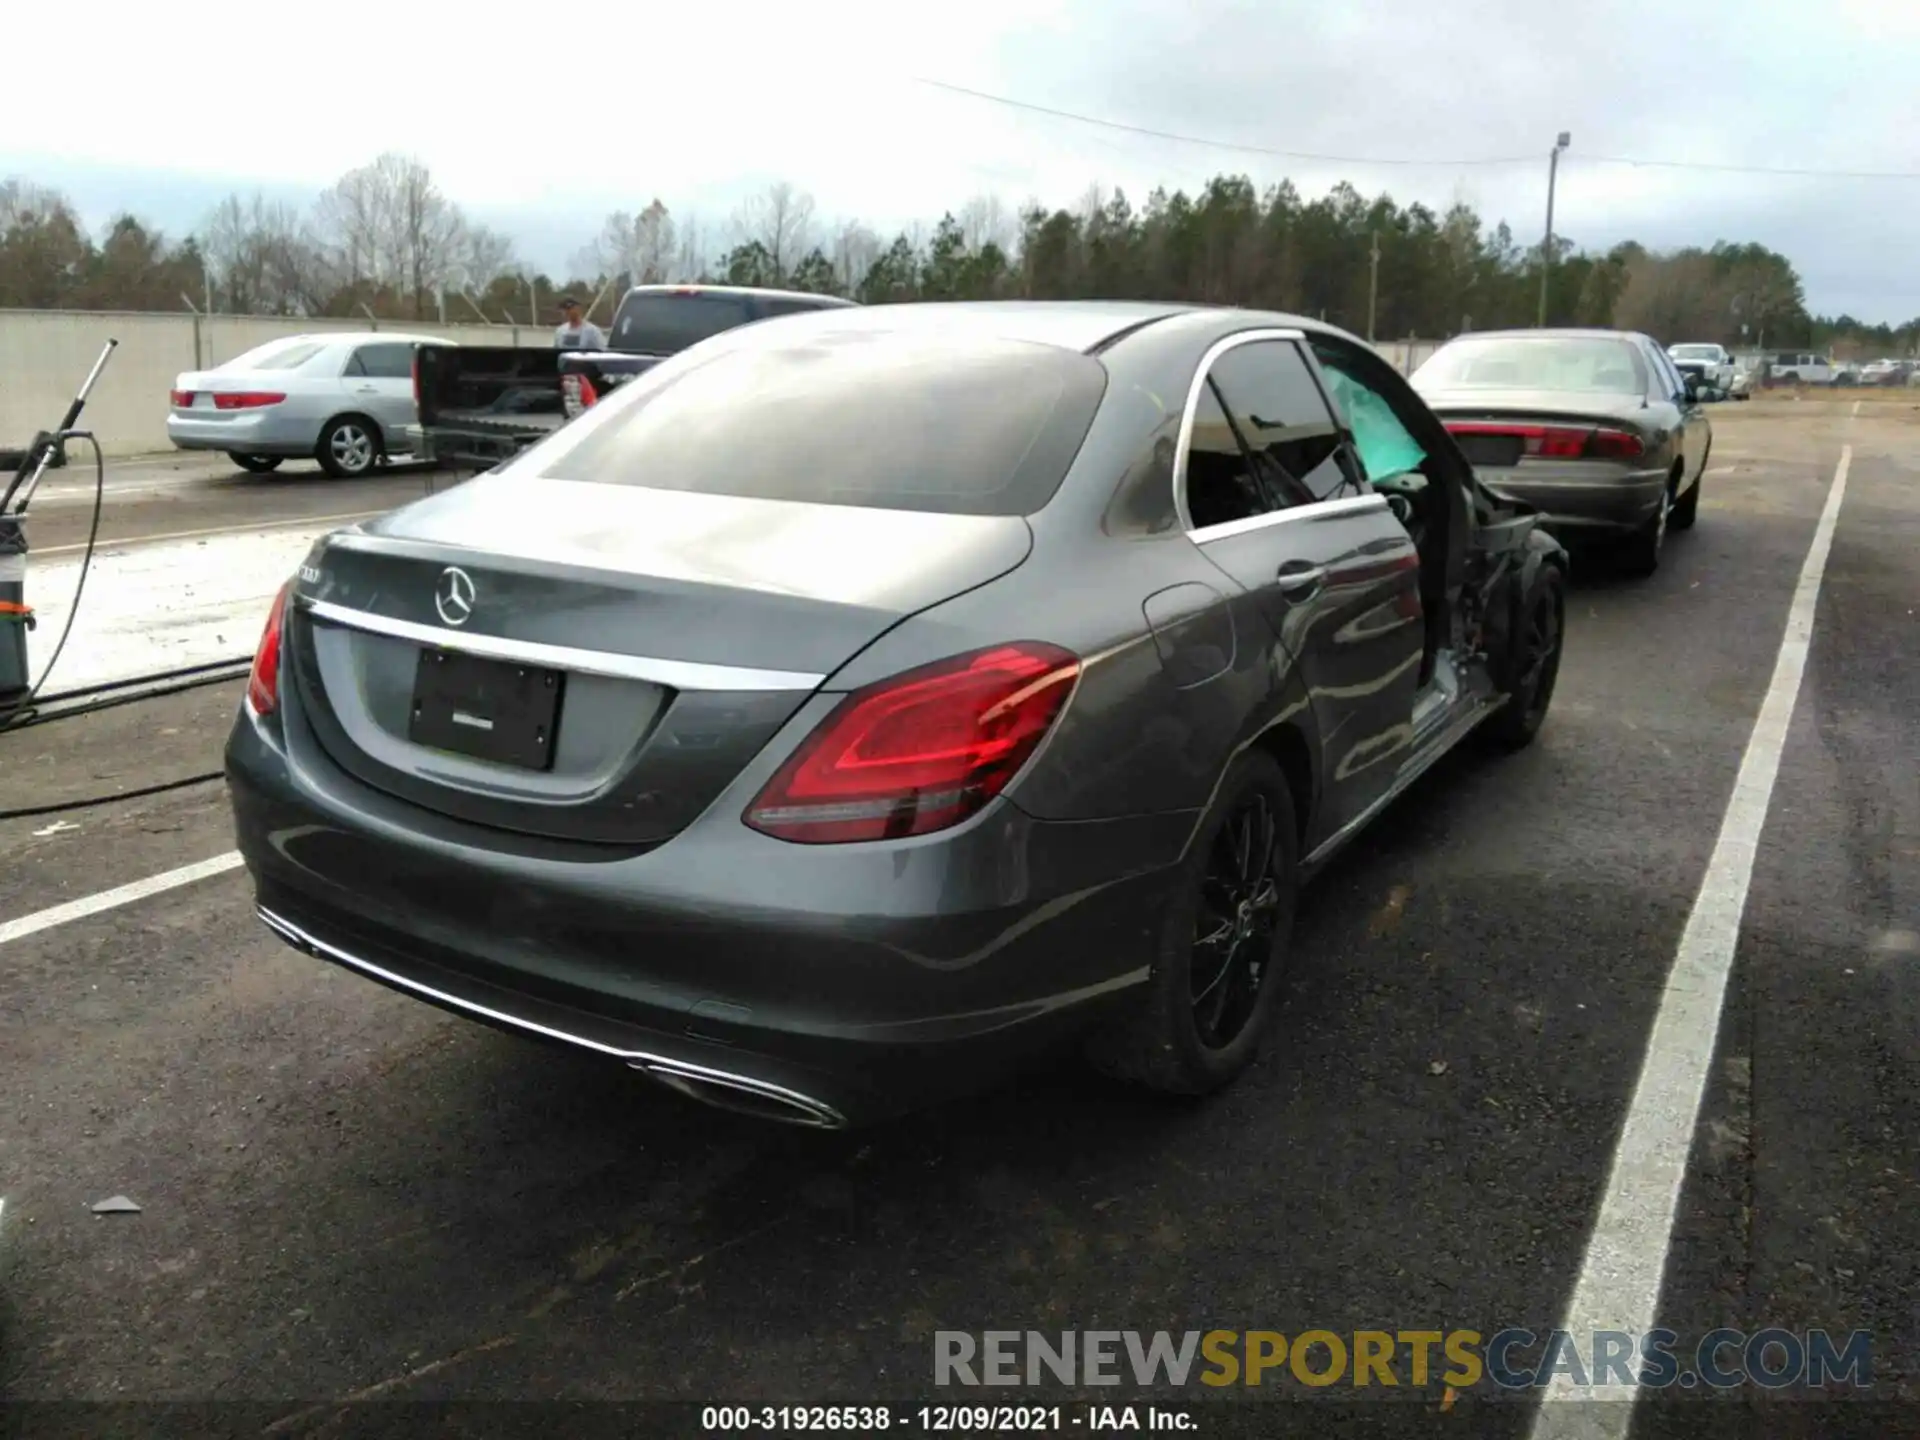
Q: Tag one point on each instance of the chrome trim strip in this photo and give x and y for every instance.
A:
(1323, 510)
(675, 674)
(1214, 352)
(816, 1114)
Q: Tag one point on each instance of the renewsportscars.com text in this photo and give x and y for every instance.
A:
(1457, 1359)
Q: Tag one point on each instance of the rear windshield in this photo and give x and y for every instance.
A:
(974, 428)
(1557, 363)
(1694, 352)
(667, 323)
(277, 355)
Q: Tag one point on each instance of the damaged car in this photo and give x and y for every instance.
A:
(859, 704)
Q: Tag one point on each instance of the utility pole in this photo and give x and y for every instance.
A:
(1546, 249)
(1373, 285)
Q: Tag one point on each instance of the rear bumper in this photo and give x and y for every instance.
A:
(822, 985)
(1574, 504)
(262, 433)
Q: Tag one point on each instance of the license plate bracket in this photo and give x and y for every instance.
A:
(1492, 452)
(498, 711)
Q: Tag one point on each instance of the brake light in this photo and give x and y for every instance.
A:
(263, 682)
(246, 400)
(1559, 442)
(416, 379)
(919, 752)
(577, 394)
(182, 399)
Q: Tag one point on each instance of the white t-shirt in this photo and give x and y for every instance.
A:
(584, 336)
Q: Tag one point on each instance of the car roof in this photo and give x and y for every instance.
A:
(356, 337)
(1568, 332)
(757, 292)
(1081, 325)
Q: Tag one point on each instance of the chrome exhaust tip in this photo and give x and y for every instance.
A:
(743, 1095)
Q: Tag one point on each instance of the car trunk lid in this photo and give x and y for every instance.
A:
(597, 663)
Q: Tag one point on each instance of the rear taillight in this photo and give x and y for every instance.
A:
(920, 752)
(263, 683)
(182, 399)
(416, 380)
(577, 394)
(246, 400)
(1558, 442)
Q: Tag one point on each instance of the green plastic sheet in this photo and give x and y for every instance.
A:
(1386, 449)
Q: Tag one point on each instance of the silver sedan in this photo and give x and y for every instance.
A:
(344, 399)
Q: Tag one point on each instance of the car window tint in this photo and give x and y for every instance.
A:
(890, 421)
(771, 308)
(656, 322)
(1220, 483)
(386, 362)
(1277, 407)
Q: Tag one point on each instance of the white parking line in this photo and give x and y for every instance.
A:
(1856, 407)
(122, 895)
(1626, 1259)
(247, 528)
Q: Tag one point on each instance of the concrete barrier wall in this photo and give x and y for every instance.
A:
(45, 354)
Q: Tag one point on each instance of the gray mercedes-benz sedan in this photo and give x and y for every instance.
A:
(1597, 429)
(859, 703)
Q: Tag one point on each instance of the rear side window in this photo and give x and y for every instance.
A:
(1283, 419)
(666, 322)
(382, 362)
(884, 421)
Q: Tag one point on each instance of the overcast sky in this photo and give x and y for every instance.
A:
(543, 120)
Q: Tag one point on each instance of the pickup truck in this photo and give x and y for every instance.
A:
(1710, 365)
(483, 404)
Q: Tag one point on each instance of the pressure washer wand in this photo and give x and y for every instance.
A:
(16, 616)
(41, 452)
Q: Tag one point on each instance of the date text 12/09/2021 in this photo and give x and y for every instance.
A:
(945, 1419)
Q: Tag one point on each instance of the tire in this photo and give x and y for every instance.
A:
(256, 464)
(1535, 665)
(1641, 554)
(349, 447)
(1159, 1041)
(1686, 509)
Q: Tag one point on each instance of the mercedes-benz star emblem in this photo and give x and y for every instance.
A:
(453, 595)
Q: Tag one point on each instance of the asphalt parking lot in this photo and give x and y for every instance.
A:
(347, 1194)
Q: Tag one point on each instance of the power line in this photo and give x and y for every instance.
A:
(1215, 144)
(1747, 169)
(1104, 124)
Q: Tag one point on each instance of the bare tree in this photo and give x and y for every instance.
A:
(390, 225)
(855, 249)
(480, 256)
(642, 246)
(353, 217)
(690, 260)
(984, 221)
(263, 259)
(781, 223)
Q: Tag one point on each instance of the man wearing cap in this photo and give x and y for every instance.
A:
(576, 332)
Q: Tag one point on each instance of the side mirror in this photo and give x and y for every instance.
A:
(1692, 387)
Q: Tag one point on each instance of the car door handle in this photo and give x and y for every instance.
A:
(367, 389)
(1297, 579)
